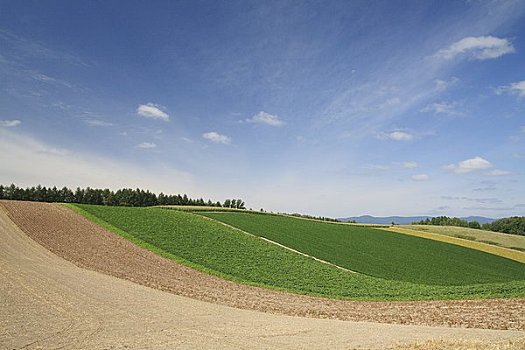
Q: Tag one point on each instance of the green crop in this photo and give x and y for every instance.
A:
(380, 253)
(212, 247)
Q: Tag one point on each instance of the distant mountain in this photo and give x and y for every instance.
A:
(405, 220)
(481, 219)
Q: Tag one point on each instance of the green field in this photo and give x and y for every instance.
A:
(379, 253)
(212, 247)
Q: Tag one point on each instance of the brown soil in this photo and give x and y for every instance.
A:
(87, 245)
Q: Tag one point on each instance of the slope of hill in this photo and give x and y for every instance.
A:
(49, 302)
(212, 247)
(378, 253)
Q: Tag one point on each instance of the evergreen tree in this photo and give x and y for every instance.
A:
(122, 197)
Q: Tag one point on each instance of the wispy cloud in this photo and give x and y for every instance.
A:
(470, 199)
(24, 154)
(9, 123)
(409, 165)
(50, 80)
(497, 172)
(21, 48)
(517, 88)
(469, 165)
(97, 123)
(376, 167)
(485, 189)
(490, 208)
(477, 48)
(217, 138)
(396, 136)
(53, 151)
(153, 111)
(265, 118)
(146, 145)
(443, 85)
(448, 108)
(420, 177)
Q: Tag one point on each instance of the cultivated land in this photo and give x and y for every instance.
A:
(48, 302)
(87, 245)
(71, 307)
(508, 253)
(378, 253)
(213, 247)
(506, 240)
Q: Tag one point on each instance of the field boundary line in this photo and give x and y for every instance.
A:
(277, 244)
(199, 209)
(484, 247)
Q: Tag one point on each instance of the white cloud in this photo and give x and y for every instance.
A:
(478, 48)
(217, 138)
(24, 154)
(409, 165)
(442, 85)
(265, 118)
(469, 165)
(443, 107)
(9, 123)
(153, 111)
(396, 136)
(96, 122)
(146, 145)
(420, 177)
(517, 88)
(376, 167)
(53, 151)
(497, 172)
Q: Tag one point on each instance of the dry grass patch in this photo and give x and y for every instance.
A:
(497, 238)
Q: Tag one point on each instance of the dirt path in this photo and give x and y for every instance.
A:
(47, 302)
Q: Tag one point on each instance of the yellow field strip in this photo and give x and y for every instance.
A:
(484, 247)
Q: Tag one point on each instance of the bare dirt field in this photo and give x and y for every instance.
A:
(48, 302)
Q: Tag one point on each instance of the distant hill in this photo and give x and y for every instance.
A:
(481, 219)
(405, 220)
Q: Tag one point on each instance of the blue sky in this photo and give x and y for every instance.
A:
(330, 108)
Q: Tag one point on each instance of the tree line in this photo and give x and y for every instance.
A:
(122, 197)
(446, 221)
(513, 225)
(321, 218)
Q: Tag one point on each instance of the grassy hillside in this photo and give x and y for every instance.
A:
(378, 253)
(496, 238)
(217, 249)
